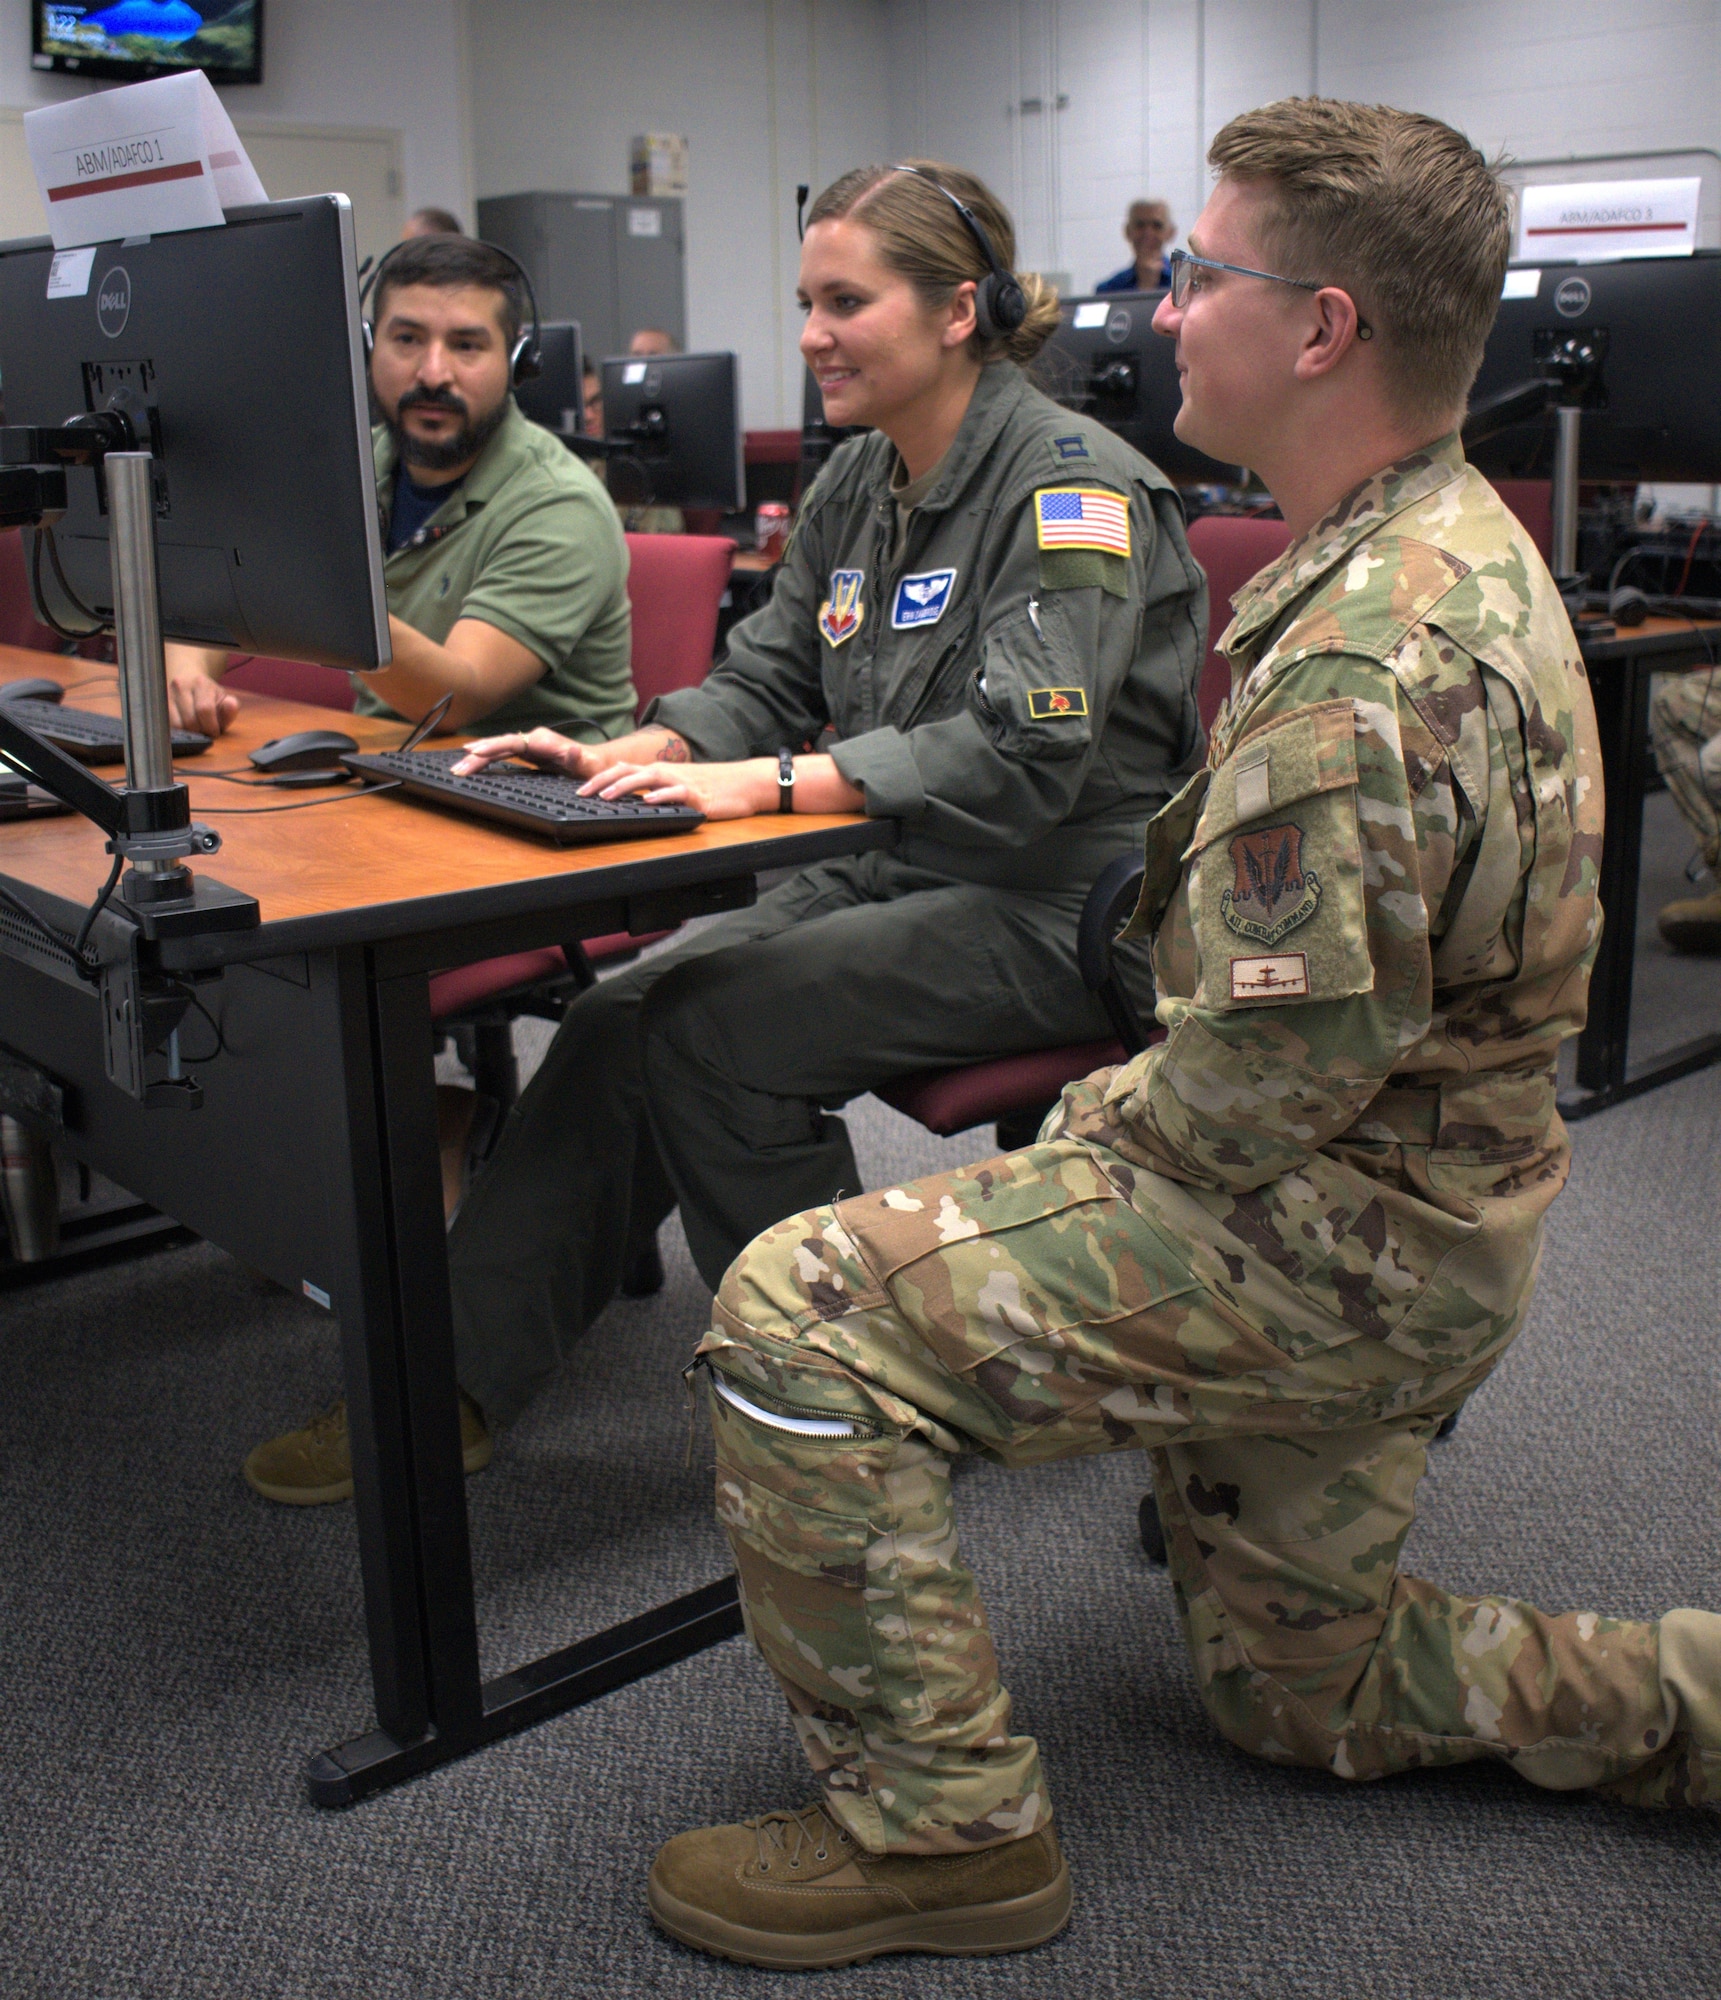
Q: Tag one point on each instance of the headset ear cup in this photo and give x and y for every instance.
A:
(525, 364)
(368, 337)
(1000, 306)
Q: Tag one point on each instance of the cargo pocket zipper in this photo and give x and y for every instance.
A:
(782, 1417)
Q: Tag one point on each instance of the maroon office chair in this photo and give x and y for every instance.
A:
(675, 584)
(1532, 500)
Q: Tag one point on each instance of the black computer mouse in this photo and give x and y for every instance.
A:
(304, 750)
(34, 690)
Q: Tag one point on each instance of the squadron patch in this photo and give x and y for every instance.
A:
(1053, 704)
(1082, 517)
(1283, 976)
(841, 613)
(922, 600)
(1273, 892)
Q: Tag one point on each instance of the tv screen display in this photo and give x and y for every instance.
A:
(132, 39)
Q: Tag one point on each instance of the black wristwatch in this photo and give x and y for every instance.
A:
(785, 781)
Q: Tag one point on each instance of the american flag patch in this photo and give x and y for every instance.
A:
(1078, 517)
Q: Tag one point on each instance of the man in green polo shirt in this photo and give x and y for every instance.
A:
(505, 567)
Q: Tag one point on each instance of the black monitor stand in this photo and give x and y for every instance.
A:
(148, 824)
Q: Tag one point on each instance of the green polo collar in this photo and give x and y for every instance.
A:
(1361, 513)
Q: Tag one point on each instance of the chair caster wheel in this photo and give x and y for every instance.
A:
(1152, 1530)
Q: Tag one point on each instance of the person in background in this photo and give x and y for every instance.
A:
(432, 222)
(652, 340)
(634, 520)
(1685, 726)
(1147, 229)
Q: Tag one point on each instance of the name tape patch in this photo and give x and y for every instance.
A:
(923, 599)
(1282, 976)
(1054, 704)
(841, 613)
(1082, 517)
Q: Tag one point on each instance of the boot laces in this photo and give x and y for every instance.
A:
(784, 1837)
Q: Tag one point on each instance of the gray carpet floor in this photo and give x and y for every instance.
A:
(171, 1647)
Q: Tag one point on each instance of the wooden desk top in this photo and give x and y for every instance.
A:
(751, 562)
(384, 866)
(1699, 636)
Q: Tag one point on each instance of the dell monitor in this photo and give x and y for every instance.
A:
(127, 41)
(235, 351)
(555, 397)
(1652, 409)
(1106, 361)
(672, 431)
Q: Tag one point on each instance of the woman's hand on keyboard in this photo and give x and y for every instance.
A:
(546, 747)
(719, 791)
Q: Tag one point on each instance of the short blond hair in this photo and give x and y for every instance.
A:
(1395, 208)
(923, 239)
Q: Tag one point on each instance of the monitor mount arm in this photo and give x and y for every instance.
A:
(148, 824)
(1570, 379)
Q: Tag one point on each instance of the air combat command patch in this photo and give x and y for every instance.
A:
(1273, 892)
(1053, 704)
(841, 613)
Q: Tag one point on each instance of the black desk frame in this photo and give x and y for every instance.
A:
(328, 1020)
(1620, 672)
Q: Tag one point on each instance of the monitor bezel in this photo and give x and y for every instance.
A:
(112, 69)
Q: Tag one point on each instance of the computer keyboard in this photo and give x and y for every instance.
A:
(92, 739)
(541, 802)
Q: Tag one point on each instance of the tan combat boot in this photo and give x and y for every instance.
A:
(1693, 923)
(795, 1890)
(311, 1467)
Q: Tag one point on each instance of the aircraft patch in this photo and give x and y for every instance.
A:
(841, 613)
(922, 600)
(1082, 517)
(1054, 704)
(1283, 976)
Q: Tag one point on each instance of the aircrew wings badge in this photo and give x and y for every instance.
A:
(1082, 517)
(841, 613)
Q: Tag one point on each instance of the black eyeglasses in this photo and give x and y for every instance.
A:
(1185, 264)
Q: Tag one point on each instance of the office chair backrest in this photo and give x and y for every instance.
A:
(1231, 549)
(19, 625)
(293, 680)
(676, 583)
(1532, 500)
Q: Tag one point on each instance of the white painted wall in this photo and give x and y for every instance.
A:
(1147, 83)
(394, 64)
(768, 92)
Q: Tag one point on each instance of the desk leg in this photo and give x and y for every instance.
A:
(409, 1488)
(1604, 1076)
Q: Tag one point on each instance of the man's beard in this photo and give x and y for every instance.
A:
(460, 449)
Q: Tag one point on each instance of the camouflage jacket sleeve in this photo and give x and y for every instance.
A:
(1333, 841)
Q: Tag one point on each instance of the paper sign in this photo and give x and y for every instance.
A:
(143, 160)
(1521, 285)
(1587, 222)
(1093, 313)
(69, 273)
(645, 222)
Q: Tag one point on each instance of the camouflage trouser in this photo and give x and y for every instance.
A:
(1685, 723)
(1022, 1309)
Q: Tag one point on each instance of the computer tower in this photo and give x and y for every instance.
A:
(614, 262)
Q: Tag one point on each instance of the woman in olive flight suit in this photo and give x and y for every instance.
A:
(988, 627)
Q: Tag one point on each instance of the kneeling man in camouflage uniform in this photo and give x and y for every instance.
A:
(1276, 1250)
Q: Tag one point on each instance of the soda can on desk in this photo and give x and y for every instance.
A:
(771, 529)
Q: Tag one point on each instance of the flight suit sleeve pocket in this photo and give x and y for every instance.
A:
(1035, 700)
(1276, 881)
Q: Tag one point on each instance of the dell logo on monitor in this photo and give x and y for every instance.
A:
(113, 301)
(1572, 297)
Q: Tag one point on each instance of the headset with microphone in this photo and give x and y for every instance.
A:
(1000, 304)
(525, 358)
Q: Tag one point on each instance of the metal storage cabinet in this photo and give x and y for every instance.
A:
(614, 262)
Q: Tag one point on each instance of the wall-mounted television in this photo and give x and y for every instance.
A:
(129, 40)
